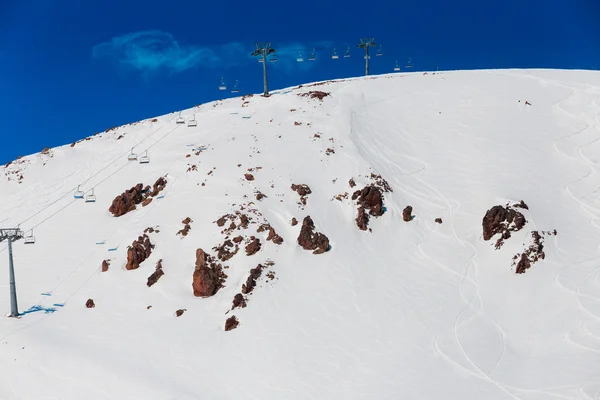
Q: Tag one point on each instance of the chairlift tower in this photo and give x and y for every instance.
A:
(365, 43)
(263, 50)
(11, 235)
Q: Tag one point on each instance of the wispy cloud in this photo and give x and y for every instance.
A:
(156, 51)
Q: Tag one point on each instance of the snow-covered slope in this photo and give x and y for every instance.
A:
(406, 310)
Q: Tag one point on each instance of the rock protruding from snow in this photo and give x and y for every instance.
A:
(502, 220)
(314, 94)
(369, 198)
(180, 312)
(311, 240)
(105, 265)
(128, 200)
(231, 323)
(238, 301)
(407, 214)
(186, 228)
(272, 236)
(251, 281)
(139, 251)
(90, 303)
(438, 220)
(208, 275)
(226, 250)
(253, 247)
(152, 279)
(303, 190)
(532, 254)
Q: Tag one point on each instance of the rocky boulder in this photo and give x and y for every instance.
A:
(502, 220)
(231, 323)
(152, 279)
(139, 251)
(208, 275)
(311, 240)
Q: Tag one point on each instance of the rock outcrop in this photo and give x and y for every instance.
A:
(90, 303)
(139, 251)
(226, 250)
(407, 214)
(208, 275)
(502, 220)
(311, 240)
(369, 198)
(303, 190)
(238, 301)
(128, 200)
(253, 247)
(251, 281)
(186, 228)
(105, 265)
(533, 254)
(231, 323)
(152, 279)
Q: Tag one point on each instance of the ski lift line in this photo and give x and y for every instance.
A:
(116, 158)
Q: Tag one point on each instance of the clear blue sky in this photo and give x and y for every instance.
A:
(70, 68)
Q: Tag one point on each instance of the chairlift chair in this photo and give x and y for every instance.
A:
(335, 56)
(379, 52)
(313, 56)
(235, 88)
(29, 238)
(300, 57)
(260, 59)
(78, 193)
(180, 119)
(409, 63)
(273, 58)
(145, 159)
(90, 198)
(347, 53)
(192, 122)
(132, 156)
(397, 67)
(222, 86)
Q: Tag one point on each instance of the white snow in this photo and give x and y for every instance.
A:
(414, 310)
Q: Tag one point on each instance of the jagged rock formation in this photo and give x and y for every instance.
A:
(152, 279)
(253, 247)
(105, 265)
(502, 220)
(251, 281)
(303, 190)
(369, 198)
(139, 251)
(128, 200)
(311, 240)
(231, 323)
(208, 275)
(407, 214)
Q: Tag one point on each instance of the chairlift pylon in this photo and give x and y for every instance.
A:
(335, 56)
(235, 88)
(300, 57)
(29, 238)
(347, 53)
(132, 156)
(222, 86)
(180, 119)
(192, 122)
(90, 198)
(313, 56)
(145, 159)
(78, 193)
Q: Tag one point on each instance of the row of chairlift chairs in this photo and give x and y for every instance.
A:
(300, 58)
(191, 122)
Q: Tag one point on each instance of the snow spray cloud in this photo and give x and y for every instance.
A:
(156, 51)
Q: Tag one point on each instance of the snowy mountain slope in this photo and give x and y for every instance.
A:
(416, 310)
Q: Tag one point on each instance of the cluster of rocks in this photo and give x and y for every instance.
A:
(127, 201)
(314, 94)
(503, 220)
(533, 253)
(311, 240)
(272, 236)
(253, 247)
(369, 199)
(208, 275)
(139, 251)
(227, 249)
(303, 190)
(243, 221)
(186, 228)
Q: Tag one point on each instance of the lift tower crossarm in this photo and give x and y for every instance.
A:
(263, 50)
(365, 43)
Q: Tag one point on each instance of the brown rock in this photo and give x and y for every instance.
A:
(158, 186)
(231, 323)
(139, 251)
(438, 220)
(238, 301)
(208, 275)
(499, 219)
(369, 198)
(105, 265)
(238, 239)
(303, 190)
(310, 240)
(521, 204)
(351, 183)
(407, 214)
(253, 247)
(251, 281)
(90, 303)
(126, 201)
(249, 177)
(146, 202)
(180, 312)
(315, 94)
(362, 219)
(152, 279)
(186, 221)
(260, 196)
(224, 251)
(294, 221)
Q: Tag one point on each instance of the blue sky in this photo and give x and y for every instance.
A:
(70, 68)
